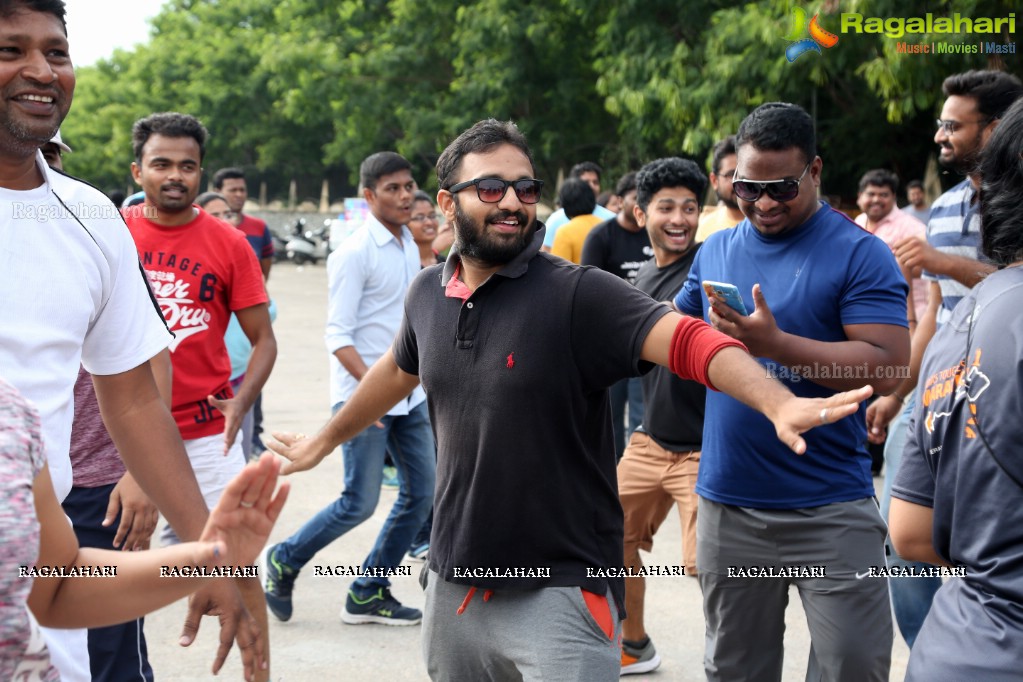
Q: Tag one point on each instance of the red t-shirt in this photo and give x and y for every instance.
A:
(200, 272)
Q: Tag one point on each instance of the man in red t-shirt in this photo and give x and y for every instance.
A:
(201, 270)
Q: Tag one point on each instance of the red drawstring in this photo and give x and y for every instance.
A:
(487, 594)
(465, 602)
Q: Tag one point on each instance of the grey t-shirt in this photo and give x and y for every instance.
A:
(965, 447)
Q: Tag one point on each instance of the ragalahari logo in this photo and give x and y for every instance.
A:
(818, 36)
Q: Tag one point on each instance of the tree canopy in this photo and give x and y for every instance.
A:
(305, 89)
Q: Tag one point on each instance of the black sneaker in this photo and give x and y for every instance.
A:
(279, 582)
(378, 607)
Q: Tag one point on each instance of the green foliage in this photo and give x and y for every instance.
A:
(305, 89)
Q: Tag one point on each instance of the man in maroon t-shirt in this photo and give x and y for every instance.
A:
(231, 183)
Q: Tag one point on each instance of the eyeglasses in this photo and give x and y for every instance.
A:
(950, 127)
(492, 190)
(779, 190)
(420, 217)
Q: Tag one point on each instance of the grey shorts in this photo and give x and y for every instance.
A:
(548, 634)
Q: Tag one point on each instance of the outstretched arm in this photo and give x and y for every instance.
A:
(236, 531)
(380, 389)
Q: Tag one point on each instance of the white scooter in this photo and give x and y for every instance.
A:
(307, 246)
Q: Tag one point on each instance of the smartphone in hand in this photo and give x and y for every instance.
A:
(729, 293)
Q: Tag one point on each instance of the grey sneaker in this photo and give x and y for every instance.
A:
(635, 661)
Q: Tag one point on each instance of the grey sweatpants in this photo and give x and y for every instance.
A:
(847, 610)
(546, 634)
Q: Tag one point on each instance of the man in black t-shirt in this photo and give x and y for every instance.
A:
(620, 246)
(516, 349)
(660, 463)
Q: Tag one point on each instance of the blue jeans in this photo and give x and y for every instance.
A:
(911, 597)
(626, 392)
(410, 442)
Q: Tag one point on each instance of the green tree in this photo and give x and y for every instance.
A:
(305, 89)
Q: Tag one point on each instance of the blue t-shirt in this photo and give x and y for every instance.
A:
(968, 413)
(824, 274)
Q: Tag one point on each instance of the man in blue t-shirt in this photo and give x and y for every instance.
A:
(828, 311)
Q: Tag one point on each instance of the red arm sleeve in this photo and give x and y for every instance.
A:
(693, 345)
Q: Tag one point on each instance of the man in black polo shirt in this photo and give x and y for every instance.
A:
(516, 350)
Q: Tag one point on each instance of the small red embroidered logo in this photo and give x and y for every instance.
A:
(511, 360)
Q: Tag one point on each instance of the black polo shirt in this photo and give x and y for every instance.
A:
(516, 379)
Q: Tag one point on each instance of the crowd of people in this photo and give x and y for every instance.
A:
(136, 392)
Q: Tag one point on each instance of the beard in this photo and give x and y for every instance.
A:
(472, 240)
(968, 162)
(24, 140)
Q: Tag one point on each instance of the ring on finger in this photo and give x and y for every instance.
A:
(824, 416)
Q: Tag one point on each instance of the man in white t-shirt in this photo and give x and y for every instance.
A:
(73, 294)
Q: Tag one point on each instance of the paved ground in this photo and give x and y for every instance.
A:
(315, 645)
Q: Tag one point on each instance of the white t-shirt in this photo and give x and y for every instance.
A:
(71, 292)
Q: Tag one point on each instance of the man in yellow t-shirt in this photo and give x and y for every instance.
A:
(727, 213)
(578, 200)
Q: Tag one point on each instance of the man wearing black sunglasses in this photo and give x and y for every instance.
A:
(516, 350)
(837, 318)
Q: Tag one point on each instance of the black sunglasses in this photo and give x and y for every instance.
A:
(779, 190)
(492, 190)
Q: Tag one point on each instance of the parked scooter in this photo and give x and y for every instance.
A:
(280, 246)
(307, 246)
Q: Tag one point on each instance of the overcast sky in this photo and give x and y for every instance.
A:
(96, 27)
